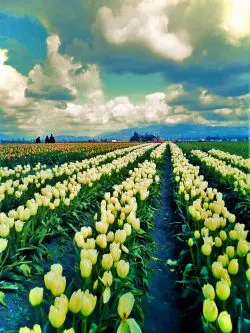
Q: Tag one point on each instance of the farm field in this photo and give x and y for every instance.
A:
(120, 237)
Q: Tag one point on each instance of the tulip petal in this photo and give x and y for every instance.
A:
(133, 326)
(106, 295)
(125, 306)
(123, 327)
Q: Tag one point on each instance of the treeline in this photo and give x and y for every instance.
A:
(143, 137)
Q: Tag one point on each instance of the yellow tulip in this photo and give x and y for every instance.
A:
(208, 291)
(56, 268)
(225, 323)
(88, 303)
(115, 252)
(222, 290)
(3, 244)
(107, 261)
(210, 311)
(206, 249)
(58, 285)
(101, 240)
(70, 330)
(36, 296)
(122, 269)
(107, 279)
(36, 329)
(233, 267)
(56, 316)
(120, 236)
(242, 248)
(125, 306)
(85, 267)
(217, 269)
(75, 302)
(24, 330)
(230, 252)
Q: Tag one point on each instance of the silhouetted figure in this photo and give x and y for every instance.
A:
(52, 139)
(38, 140)
(47, 139)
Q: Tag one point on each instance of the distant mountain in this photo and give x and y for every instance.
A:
(181, 131)
(72, 138)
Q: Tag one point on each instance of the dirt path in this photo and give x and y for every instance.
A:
(162, 313)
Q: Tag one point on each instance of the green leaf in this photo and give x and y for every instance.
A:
(123, 327)
(133, 326)
(2, 297)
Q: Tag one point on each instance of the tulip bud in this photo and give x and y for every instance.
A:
(56, 268)
(3, 244)
(190, 242)
(24, 330)
(222, 290)
(95, 285)
(88, 303)
(85, 267)
(248, 274)
(223, 235)
(36, 329)
(70, 330)
(208, 291)
(107, 279)
(58, 284)
(56, 316)
(206, 249)
(107, 261)
(75, 302)
(101, 240)
(233, 234)
(120, 236)
(210, 311)
(223, 259)
(36, 296)
(217, 242)
(230, 252)
(233, 267)
(122, 269)
(197, 234)
(125, 305)
(247, 258)
(217, 269)
(242, 248)
(225, 323)
(110, 236)
(19, 225)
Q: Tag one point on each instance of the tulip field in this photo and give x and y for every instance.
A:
(82, 237)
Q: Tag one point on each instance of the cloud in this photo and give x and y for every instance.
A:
(60, 78)
(64, 96)
(144, 23)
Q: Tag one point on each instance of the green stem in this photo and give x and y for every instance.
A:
(74, 320)
(84, 325)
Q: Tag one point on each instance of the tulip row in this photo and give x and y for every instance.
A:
(107, 260)
(236, 178)
(12, 152)
(232, 159)
(18, 186)
(19, 226)
(218, 247)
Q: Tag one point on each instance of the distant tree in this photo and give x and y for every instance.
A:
(135, 137)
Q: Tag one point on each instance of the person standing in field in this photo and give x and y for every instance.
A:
(47, 139)
(52, 139)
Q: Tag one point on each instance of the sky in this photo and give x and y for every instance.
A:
(88, 67)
